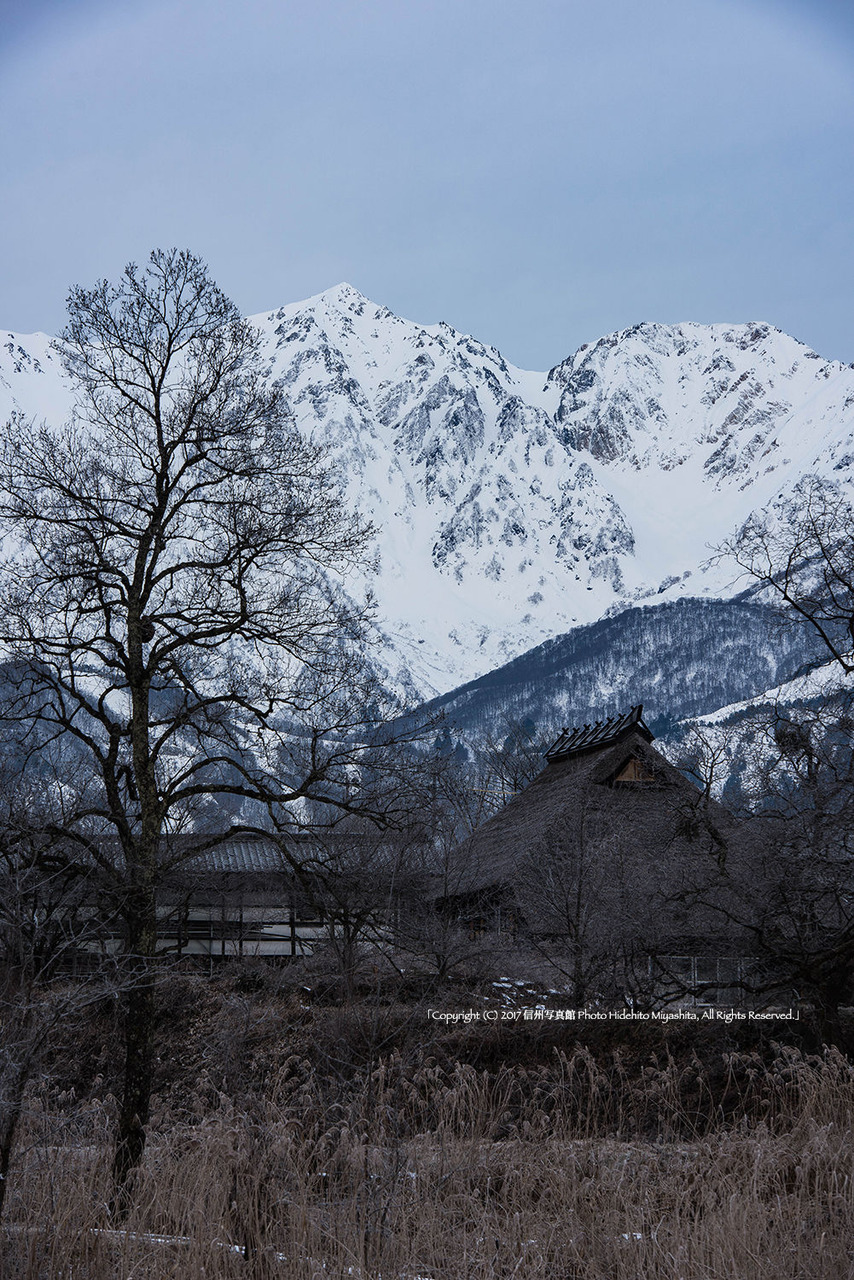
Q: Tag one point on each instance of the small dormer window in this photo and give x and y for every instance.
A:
(633, 770)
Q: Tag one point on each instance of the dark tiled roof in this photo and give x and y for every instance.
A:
(601, 734)
(241, 854)
(342, 851)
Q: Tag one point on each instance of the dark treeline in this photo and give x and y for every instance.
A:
(681, 659)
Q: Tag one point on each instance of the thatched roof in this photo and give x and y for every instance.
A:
(615, 793)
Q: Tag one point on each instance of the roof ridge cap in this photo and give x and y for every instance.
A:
(601, 733)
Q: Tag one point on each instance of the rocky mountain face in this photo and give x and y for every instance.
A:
(513, 506)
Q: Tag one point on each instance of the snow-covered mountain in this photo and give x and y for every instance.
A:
(512, 506)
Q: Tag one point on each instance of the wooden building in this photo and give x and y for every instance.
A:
(268, 897)
(239, 895)
(601, 864)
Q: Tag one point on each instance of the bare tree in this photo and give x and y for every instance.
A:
(587, 905)
(803, 554)
(805, 918)
(801, 782)
(786, 884)
(430, 931)
(508, 759)
(173, 605)
(704, 753)
(357, 878)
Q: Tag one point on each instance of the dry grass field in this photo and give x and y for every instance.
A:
(384, 1157)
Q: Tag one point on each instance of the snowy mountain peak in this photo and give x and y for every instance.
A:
(655, 394)
(343, 297)
(514, 505)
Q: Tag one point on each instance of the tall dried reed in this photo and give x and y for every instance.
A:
(575, 1171)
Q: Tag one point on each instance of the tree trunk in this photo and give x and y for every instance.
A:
(136, 1094)
(140, 912)
(12, 1085)
(139, 1018)
(579, 984)
(830, 1024)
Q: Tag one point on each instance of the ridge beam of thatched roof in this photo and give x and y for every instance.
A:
(601, 734)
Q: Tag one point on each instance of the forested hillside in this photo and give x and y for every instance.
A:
(681, 658)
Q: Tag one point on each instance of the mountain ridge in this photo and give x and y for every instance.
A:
(512, 505)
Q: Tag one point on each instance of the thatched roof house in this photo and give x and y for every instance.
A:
(601, 783)
(602, 854)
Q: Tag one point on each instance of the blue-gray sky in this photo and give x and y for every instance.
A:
(535, 172)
